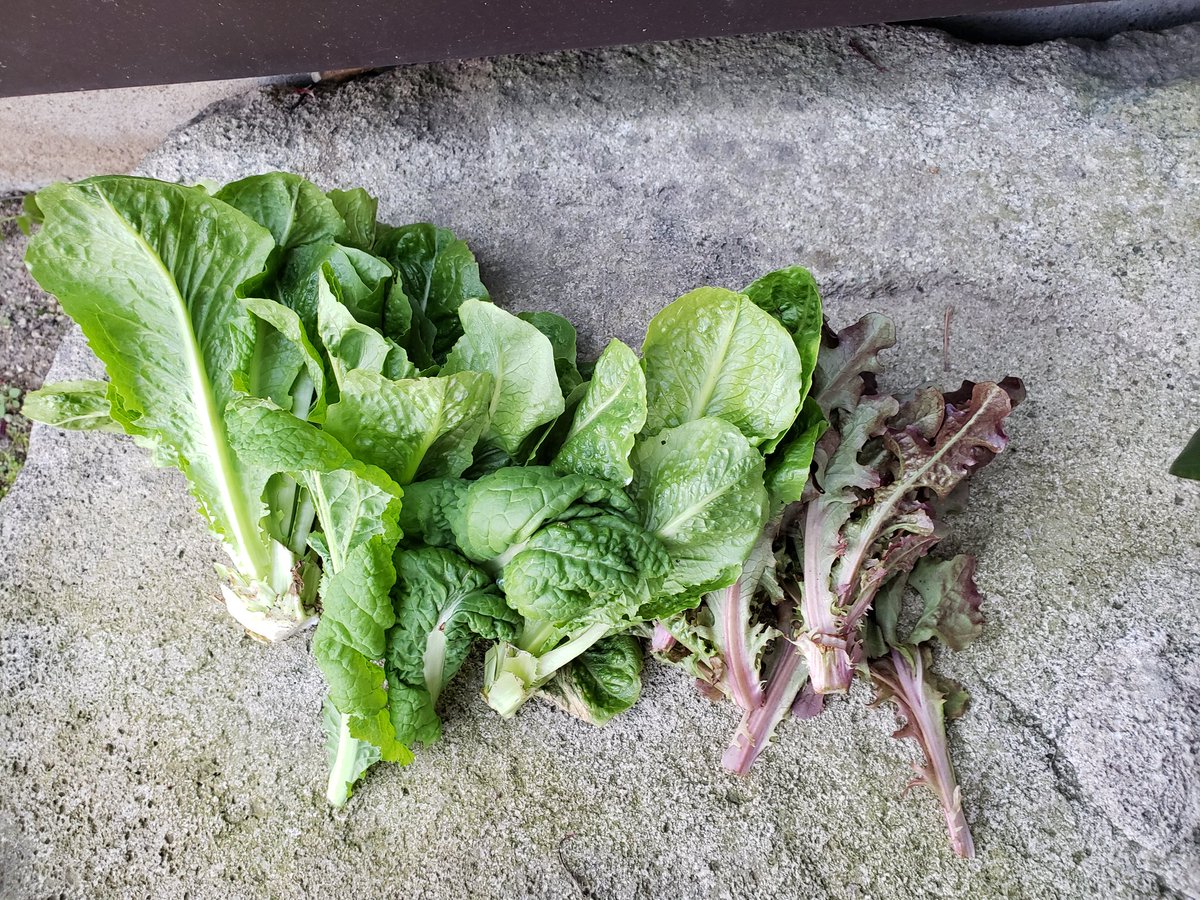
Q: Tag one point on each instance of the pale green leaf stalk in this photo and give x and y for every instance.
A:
(357, 507)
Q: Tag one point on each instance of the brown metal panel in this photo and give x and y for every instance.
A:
(61, 45)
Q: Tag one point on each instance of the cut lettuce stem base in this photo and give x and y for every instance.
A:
(279, 607)
(512, 674)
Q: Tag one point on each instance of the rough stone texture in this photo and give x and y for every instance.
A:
(31, 322)
(1047, 194)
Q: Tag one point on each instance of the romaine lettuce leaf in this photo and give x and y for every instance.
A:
(700, 490)
(610, 414)
(359, 211)
(120, 255)
(520, 359)
(293, 209)
(438, 273)
(442, 604)
(595, 569)
(503, 510)
(357, 507)
(563, 339)
(602, 682)
(714, 353)
(415, 427)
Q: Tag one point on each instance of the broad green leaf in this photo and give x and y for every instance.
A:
(584, 571)
(397, 314)
(72, 406)
(292, 209)
(791, 296)
(1188, 463)
(442, 604)
(543, 445)
(357, 507)
(520, 359)
(505, 509)
(607, 419)
(362, 282)
(438, 272)
(120, 255)
(561, 334)
(412, 428)
(700, 489)
(358, 210)
(713, 353)
(602, 682)
(272, 439)
(788, 467)
(352, 345)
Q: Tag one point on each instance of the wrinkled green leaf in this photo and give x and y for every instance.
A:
(428, 509)
(791, 296)
(292, 209)
(788, 467)
(598, 569)
(361, 282)
(602, 682)
(438, 272)
(563, 339)
(442, 604)
(357, 507)
(286, 368)
(415, 427)
(347, 757)
(352, 345)
(359, 211)
(505, 509)
(700, 490)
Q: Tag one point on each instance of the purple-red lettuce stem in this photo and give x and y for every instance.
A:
(901, 678)
(758, 724)
(740, 672)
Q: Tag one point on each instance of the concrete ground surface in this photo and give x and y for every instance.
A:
(57, 137)
(1047, 194)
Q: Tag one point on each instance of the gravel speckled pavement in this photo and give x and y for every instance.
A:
(1049, 194)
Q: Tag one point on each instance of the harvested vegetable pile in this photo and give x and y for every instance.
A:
(387, 454)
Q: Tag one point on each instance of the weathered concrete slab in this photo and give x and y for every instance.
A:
(1048, 194)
